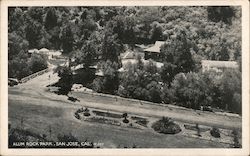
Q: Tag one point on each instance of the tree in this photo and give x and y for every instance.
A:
(50, 18)
(125, 120)
(111, 48)
(87, 27)
(154, 92)
(109, 81)
(230, 89)
(16, 21)
(190, 90)
(220, 13)
(65, 82)
(67, 39)
(36, 13)
(140, 83)
(54, 37)
(90, 51)
(88, 56)
(18, 66)
(129, 34)
(16, 44)
(33, 33)
(156, 31)
(146, 16)
(177, 57)
(168, 71)
(37, 63)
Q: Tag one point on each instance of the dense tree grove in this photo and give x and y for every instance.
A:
(99, 35)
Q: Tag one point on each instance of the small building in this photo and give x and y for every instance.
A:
(154, 52)
(44, 51)
(31, 51)
(218, 66)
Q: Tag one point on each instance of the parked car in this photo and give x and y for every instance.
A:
(207, 108)
(73, 99)
(12, 82)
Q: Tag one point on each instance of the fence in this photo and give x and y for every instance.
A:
(25, 79)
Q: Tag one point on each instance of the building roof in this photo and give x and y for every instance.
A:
(44, 50)
(55, 53)
(157, 64)
(99, 73)
(33, 51)
(156, 47)
(219, 64)
(134, 61)
(142, 46)
(129, 55)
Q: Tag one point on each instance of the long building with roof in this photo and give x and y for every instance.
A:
(218, 66)
(154, 52)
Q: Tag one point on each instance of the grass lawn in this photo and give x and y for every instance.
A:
(61, 120)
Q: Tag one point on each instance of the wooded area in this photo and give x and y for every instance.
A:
(98, 35)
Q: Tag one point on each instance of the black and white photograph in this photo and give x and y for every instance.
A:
(125, 77)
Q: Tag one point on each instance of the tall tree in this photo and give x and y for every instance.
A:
(221, 13)
(177, 56)
(16, 44)
(51, 18)
(67, 39)
(36, 13)
(33, 33)
(16, 21)
(66, 80)
(109, 81)
(231, 90)
(111, 47)
(37, 63)
(156, 32)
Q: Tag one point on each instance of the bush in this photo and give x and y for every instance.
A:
(37, 63)
(236, 143)
(215, 132)
(166, 126)
(77, 115)
(125, 120)
(86, 114)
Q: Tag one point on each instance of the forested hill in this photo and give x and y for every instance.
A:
(100, 34)
(214, 32)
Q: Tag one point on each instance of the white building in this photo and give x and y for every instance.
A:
(218, 66)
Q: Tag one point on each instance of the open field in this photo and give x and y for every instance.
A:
(38, 118)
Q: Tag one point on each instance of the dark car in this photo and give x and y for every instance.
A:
(73, 99)
(12, 82)
(207, 108)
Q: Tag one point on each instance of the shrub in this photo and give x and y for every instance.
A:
(236, 143)
(125, 120)
(215, 132)
(86, 114)
(166, 126)
(77, 115)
